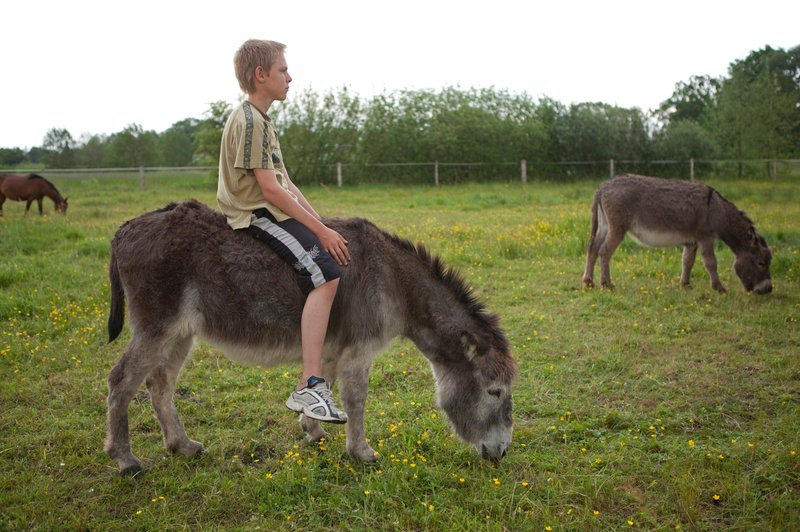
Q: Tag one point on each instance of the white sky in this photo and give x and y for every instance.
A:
(98, 66)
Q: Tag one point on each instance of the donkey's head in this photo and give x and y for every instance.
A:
(475, 392)
(752, 265)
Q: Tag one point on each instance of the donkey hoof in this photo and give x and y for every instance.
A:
(588, 283)
(133, 471)
(188, 448)
(364, 454)
(313, 429)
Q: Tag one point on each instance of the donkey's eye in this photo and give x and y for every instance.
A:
(495, 392)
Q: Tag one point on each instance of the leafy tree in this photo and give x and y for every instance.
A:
(317, 131)
(209, 133)
(133, 147)
(35, 155)
(692, 100)
(92, 151)
(10, 157)
(176, 144)
(684, 140)
(58, 147)
(757, 112)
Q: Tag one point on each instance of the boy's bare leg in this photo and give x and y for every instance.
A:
(313, 328)
(313, 396)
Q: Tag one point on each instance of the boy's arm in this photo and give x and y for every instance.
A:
(300, 197)
(331, 241)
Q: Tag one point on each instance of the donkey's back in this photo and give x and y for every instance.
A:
(185, 273)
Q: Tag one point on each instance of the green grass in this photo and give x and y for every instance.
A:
(648, 407)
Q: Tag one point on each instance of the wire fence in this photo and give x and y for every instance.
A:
(439, 173)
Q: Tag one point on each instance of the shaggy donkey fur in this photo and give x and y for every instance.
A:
(185, 273)
(669, 212)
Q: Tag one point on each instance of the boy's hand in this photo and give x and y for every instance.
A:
(335, 245)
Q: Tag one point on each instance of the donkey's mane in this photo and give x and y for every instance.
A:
(730, 205)
(454, 282)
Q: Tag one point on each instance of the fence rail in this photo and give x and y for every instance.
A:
(354, 172)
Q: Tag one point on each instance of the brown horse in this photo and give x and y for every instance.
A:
(28, 188)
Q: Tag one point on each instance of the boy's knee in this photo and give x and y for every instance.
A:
(332, 285)
(328, 287)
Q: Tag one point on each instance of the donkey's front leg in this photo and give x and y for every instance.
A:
(353, 390)
(710, 262)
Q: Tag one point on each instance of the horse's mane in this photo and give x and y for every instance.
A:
(458, 287)
(37, 176)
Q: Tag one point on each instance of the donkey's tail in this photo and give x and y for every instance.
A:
(116, 315)
(595, 207)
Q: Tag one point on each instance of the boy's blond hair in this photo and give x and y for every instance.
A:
(254, 53)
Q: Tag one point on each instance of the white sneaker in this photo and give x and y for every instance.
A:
(316, 401)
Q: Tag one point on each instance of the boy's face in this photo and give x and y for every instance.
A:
(278, 79)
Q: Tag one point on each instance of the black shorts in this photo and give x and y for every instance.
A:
(298, 246)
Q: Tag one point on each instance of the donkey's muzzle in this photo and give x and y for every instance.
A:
(764, 287)
(492, 452)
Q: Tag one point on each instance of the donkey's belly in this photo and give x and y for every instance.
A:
(257, 355)
(657, 238)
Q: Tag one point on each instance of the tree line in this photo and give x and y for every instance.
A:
(752, 113)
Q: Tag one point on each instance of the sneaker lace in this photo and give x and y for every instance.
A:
(326, 395)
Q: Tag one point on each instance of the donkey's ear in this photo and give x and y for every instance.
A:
(753, 236)
(470, 344)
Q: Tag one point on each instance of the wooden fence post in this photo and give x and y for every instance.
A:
(611, 168)
(141, 177)
(436, 173)
(691, 169)
(523, 171)
(338, 174)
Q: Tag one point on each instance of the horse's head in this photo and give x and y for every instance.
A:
(61, 206)
(475, 392)
(752, 265)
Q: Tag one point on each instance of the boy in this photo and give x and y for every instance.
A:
(256, 195)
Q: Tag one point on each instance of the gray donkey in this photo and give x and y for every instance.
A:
(668, 212)
(185, 273)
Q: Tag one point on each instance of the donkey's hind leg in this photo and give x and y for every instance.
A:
(136, 363)
(687, 262)
(610, 244)
(591, 259)
(596, 240)
(161, 385)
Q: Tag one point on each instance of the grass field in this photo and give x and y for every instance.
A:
(649, 407)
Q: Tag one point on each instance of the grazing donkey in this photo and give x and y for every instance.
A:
(186, 273)
(667, 212)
